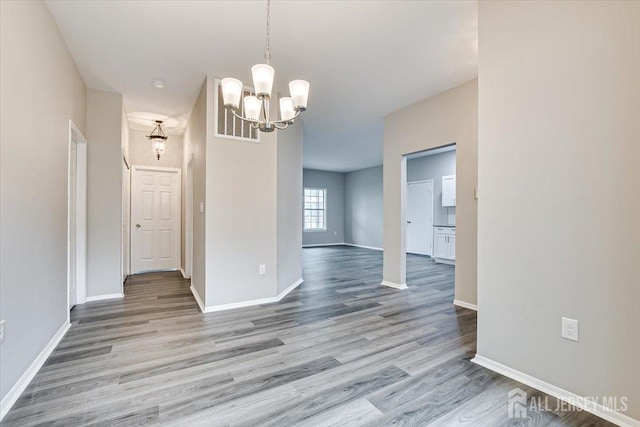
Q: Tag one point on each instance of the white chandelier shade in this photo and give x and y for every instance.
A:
(262, 79)
(252, 107)
(299, 90)
(287, 112)
(231, 92)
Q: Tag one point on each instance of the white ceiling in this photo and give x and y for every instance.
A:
(364, 59)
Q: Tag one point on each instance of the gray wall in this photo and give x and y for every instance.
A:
(289, 202)
(41, 90)
(104, 193)
(334, 183)
(559, 199)
(446, 118)
(434, 167)
(363, 207)
(140, 151)
(241, 215)
(195, 145)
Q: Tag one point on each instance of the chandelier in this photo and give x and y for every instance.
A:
(158, 139)
(256, 107)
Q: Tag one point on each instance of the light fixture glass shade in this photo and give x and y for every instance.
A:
(262, 79)
(299, 90)
(252, 107)
(286, 109)
(158, 147)
(231, 92)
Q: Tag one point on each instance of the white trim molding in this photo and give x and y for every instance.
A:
(184, 274)
(104, 297)
(19, 387)
(463, 304)
(323, 244)
(617, 418)
(231, 306)
(394, 285)
(363, 246)
(196, 295)
(289, 289)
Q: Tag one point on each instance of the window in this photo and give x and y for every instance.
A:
(315, 209)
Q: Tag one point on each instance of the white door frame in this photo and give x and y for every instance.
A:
(136, 168)
(423, 181)
(188, 221)
(125, 268)
(76, 137)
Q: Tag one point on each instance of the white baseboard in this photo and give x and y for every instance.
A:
(19, 387)
(196, 295)
(289, 289)
(363, 246)
(444, 261)
(104, 297)
(557, 392)
(231, 306)
(323, 244)
(184, 274)
(463, 304)
(394, 285)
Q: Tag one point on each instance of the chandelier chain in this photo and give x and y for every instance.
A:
(267, 55)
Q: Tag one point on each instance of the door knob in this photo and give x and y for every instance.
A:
(408, 222)
(138, 226)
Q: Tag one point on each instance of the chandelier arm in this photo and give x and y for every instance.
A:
(287, 122)
(281, 125)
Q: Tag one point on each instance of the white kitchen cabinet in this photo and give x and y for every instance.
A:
(444, 244)
(448, 191)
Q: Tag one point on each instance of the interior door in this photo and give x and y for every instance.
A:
(420, 217)
(72, 270)
(155, 219)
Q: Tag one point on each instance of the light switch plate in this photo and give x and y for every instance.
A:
(201, 207)
(1, 331)
(262, 269)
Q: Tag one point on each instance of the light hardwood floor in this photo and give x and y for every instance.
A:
(340, 350)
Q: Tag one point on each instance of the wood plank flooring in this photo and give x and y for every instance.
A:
(340, 350)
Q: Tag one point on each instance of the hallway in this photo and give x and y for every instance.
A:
(339, 350)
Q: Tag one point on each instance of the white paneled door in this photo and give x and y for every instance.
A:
(155, 219)
(420, 217)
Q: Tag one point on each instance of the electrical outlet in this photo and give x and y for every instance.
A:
(262, 269)
(570, 329)
(1, 331)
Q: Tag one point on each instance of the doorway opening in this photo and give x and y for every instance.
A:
(76, 217)
(430, 209)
